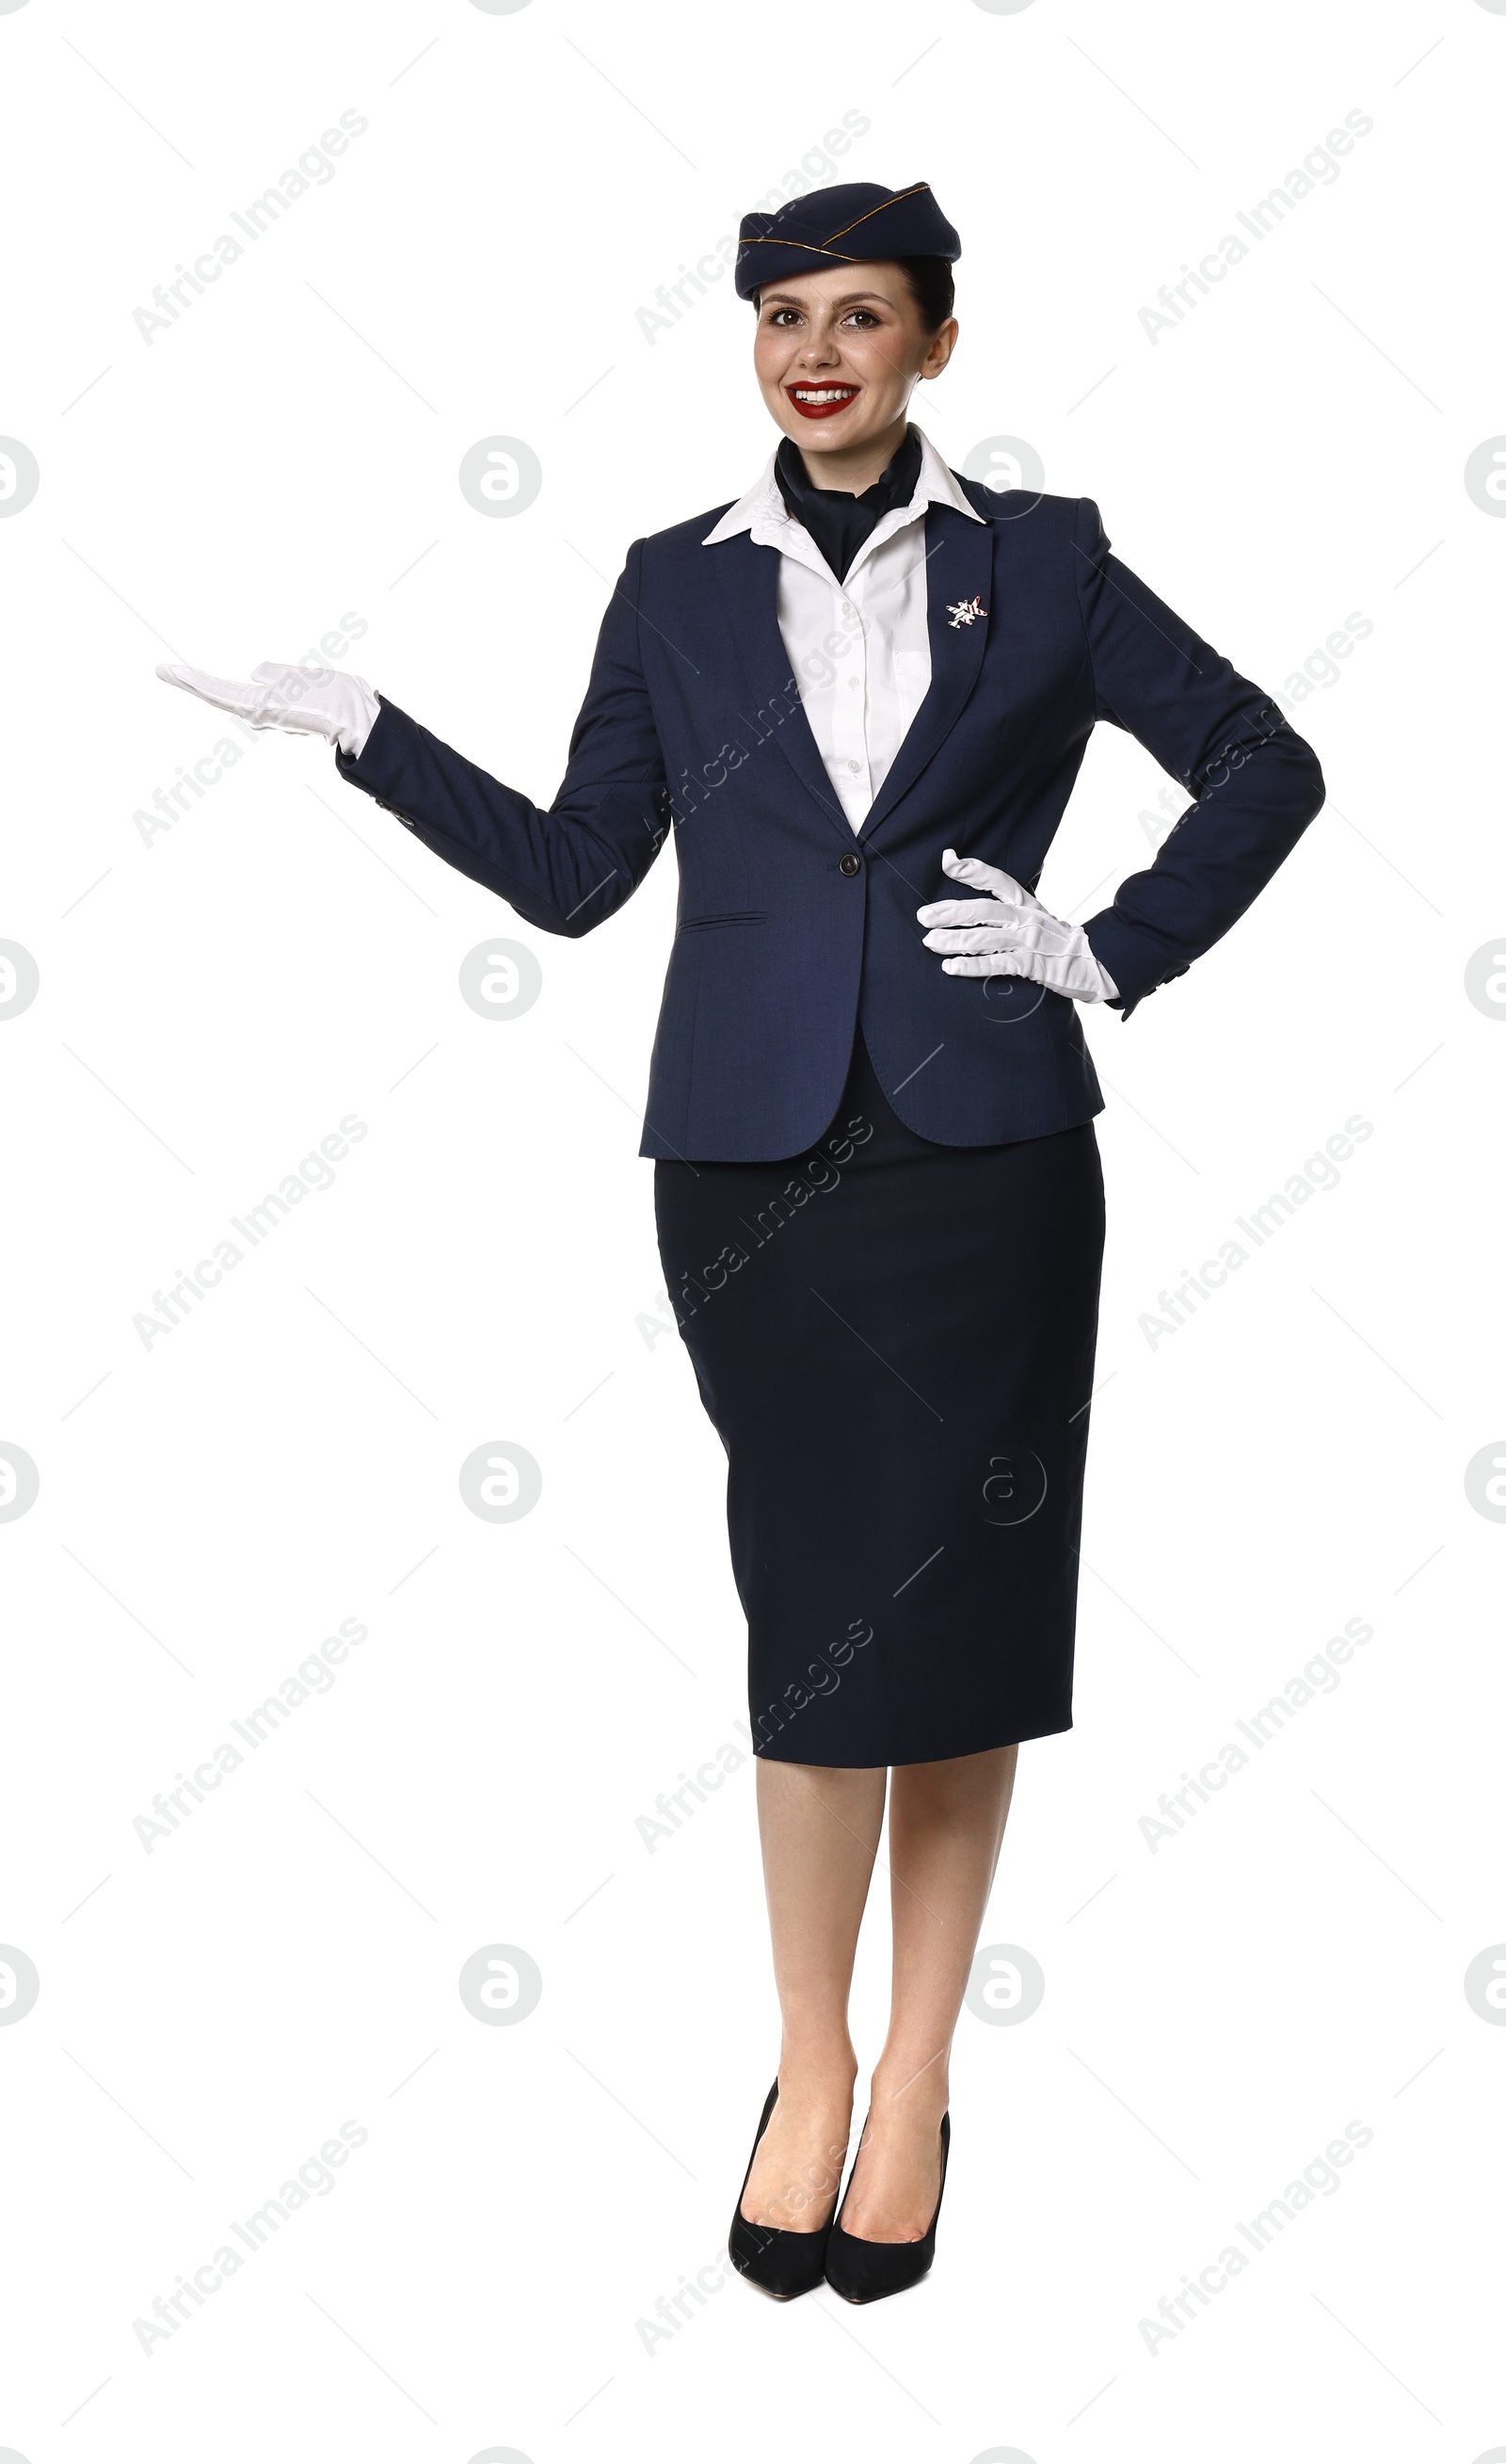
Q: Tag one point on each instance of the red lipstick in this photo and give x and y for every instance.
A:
(828, 399)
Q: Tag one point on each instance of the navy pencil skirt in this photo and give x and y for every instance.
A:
(894, 1341)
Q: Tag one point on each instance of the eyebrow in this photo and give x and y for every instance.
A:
(848, 300)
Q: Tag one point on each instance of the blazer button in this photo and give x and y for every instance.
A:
(849, 865)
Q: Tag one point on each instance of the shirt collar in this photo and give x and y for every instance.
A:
(762, 508)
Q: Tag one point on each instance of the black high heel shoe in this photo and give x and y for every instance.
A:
(780, 2264)
(866, 2271)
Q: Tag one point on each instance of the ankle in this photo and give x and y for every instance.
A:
(903, 2092)
(816, 2073)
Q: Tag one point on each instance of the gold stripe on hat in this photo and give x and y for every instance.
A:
(920, 189)
(778, 239)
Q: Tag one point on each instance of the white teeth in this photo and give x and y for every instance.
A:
(830, 393)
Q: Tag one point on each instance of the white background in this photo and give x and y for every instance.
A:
(213, 1001)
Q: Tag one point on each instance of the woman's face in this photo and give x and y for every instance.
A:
(839, 353)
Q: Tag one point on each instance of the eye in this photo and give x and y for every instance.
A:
(860, 317)
(778, 315)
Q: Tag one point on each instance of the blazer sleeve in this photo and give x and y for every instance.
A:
(567, 868)
(1257, 785)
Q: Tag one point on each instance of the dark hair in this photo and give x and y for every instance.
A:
(930, 282)
(930, 279)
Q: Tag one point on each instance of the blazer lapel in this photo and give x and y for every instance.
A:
(959, 571)
(749, 579)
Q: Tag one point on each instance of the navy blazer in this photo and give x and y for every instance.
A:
(791, 927)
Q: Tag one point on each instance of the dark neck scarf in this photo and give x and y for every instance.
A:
(838, 521)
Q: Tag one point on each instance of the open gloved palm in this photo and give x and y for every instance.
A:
(302, 701)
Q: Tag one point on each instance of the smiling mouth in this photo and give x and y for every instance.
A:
(822, 402)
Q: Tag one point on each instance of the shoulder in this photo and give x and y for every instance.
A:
(682, 537)
(677, 560)
(1063, 519)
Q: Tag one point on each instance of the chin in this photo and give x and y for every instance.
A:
(816, 436)
(855, 438)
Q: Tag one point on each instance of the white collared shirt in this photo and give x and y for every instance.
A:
(859, 649)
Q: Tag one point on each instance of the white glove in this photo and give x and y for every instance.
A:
(1010, 934)
(304, 701)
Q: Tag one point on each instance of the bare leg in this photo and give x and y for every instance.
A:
(820, 1830)
(946, 1829)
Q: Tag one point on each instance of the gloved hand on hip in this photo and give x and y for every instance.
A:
(302, 701)
(1009, 933)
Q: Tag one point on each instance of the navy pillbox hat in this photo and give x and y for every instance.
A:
(845, 226)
